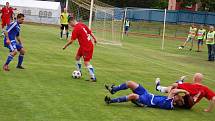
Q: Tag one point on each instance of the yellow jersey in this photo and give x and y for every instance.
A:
(64, 18)
(210, 38)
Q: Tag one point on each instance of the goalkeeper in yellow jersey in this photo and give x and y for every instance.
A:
(64, 23)
(191, 37)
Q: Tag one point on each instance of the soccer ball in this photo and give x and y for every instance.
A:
(180, 48)
(76, 74)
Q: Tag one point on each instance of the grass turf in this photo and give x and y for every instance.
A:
(45, 91)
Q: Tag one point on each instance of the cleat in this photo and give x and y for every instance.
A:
(110, 88)
(157, 82)
(181, 80)
(6, 68)
(93, 79)
(107, 100)
(20, 67)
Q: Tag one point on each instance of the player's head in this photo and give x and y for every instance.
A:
(20, 18)
(193, 25)
(197, 78)
(211, 28)
(178, 101)
(64, 10)
(72, 22)
(7, 4)
(201, 26)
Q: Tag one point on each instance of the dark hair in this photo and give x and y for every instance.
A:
(20, 15)
(71, 18)
(188, 102)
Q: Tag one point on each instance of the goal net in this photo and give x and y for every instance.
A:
(107, 24)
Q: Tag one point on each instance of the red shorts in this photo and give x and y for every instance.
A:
(86, 54)
(5, 22)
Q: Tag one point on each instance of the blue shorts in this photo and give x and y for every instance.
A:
(144, 96)
(13, 46)
(200, 41)
(126, 28)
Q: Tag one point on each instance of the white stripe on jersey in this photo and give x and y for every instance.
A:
(11, 27)
(152, 99)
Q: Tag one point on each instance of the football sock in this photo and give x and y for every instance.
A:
(162, 89)
(9, 59)
(78, 65)
(61, 34)
(67, 34)
(120, 87)
(91, 71)
(20, 60)
(119, 99)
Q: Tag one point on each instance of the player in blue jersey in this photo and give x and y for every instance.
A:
(13, 42)
(141, 97)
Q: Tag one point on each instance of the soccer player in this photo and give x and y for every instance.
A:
(12, 34)
(210, 41)
(200, 36)
(127, 25)
(64, 23)
(7, 13)
(83, 34)
(142, 97)
(196, 90)
(191, 36)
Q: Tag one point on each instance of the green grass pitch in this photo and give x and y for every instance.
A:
(45, 91)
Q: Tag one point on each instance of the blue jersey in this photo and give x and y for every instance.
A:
(13, 31)
(151, 100)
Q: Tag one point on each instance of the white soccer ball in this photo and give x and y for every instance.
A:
(180, 48)
(76, 74)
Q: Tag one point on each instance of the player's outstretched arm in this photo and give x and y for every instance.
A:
(67, 44)
(173, 92)
(211, 105)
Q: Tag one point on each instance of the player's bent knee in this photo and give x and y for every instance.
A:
(14, 52)
(133, 97)
(22, 51)
(132, 84)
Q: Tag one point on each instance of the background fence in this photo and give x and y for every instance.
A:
(140, 14)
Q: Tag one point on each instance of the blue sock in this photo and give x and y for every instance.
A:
(119, 99)
(120, 87)
(9, 59)
(20, 60)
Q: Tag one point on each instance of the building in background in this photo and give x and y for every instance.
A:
(174, 5)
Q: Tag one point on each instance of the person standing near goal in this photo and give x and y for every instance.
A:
(210, 41)
(64, 23)
(200, 36)
(191, 36)
(127, 26)
(83, 34)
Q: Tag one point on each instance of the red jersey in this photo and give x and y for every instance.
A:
(195, 89)
(82, 33)
(6, 12)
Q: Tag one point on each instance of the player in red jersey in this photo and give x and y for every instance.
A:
(83, 34)
(196, 90)
(7, 13)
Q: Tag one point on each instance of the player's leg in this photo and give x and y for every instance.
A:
(67, 31)
(191, 41)
(87, 55)
(213, 52)
(13, 52)
(130, 97)
(61, 31)
(127, 85)
(21, 57)
(209, 52)
(185, 43)
(91, 70)
(78, 59)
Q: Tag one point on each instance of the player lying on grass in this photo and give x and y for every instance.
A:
(11, 35)
(196, 89)
(83, 34)
(142, 97)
